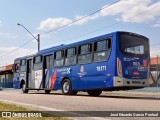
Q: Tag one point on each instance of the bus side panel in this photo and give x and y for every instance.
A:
(16, 81)
(99, 75)
(83, 77)
(74, 77)
(92, 76)
(22, 76)
(112, 63)
(95, 75)
(59, 74)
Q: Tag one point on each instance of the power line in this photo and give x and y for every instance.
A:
(113, 24)
(63, 26)
(155, 44)
(80, 18)
(16, 48)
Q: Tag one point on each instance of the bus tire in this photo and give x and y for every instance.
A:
(24, 90)
(47, 91)
(67, 88)
(94, 92)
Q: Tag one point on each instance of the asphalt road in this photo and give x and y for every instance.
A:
(108, 101)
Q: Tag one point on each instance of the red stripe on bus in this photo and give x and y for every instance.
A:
(54, 79)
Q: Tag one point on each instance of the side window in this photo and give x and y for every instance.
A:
(37, 63)
(85, 54)
(16, 67)
(70, 56)
(102, 50)
(23, 65)
(58, 58)
(48, 62)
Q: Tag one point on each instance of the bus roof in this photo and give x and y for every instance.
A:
(24, 57)
(51, 49)
(62, 46)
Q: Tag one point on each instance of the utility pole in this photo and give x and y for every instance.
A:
(38, 39)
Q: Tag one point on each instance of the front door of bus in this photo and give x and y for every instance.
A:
(29, 81)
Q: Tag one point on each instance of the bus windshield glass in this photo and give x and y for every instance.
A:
(134, 44)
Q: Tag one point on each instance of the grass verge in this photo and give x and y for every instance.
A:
(12, 107)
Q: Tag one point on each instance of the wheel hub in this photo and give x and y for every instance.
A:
(66, 87)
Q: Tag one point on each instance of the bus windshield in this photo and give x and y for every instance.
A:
(134, 44)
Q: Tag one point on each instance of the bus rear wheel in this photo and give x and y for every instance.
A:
(24, 90)
(67, 88)
(94, 92)
(47, 91)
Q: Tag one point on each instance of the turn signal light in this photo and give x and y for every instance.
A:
(119, 67)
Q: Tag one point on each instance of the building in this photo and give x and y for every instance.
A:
(155, 71)
(155, 60)
(6, 76)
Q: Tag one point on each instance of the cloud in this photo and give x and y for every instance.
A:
(157, 24)
(8, 35)
(154, 52)
(52, 23)
(86, 19)
(142, 10)
(9, 58)
(126, 9)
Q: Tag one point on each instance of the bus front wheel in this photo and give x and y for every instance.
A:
(24, 90)
(94, 92)
(67, 88)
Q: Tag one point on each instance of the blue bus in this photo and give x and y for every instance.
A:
(115, 61)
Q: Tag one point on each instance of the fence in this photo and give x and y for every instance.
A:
(154, 76)
(6, 83)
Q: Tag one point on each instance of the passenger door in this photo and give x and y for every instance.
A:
(47, 71)
(37, 72)
(29, 82)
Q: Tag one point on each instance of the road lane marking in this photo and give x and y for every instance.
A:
(48, 109)
(31, 105)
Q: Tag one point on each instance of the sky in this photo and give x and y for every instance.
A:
(41, 16)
